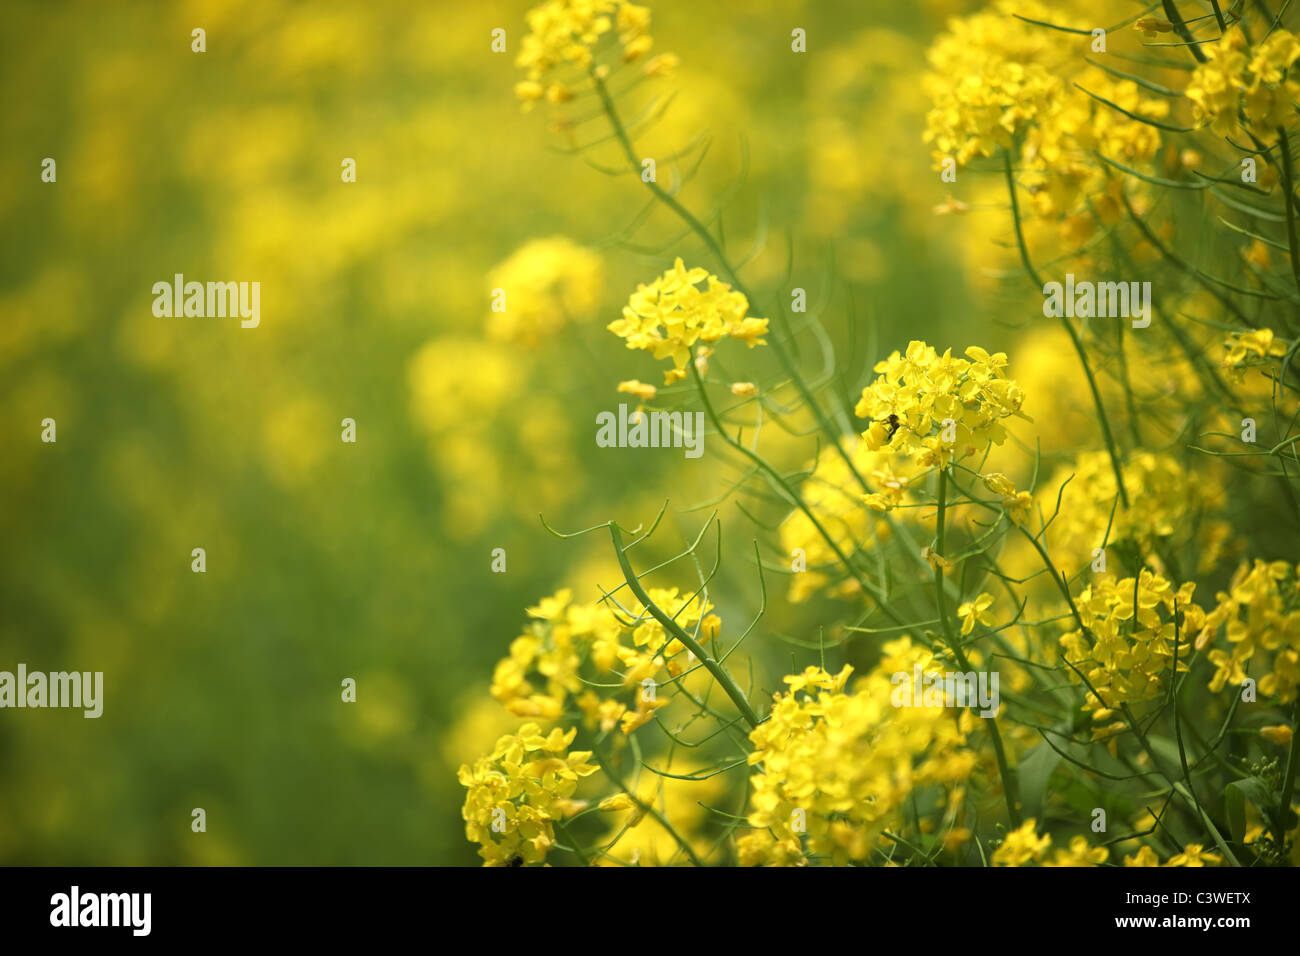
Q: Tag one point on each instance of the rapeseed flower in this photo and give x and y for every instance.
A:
(670, 315)
(519, 791)
(938, 407)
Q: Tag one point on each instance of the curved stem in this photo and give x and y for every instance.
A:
(719, 672)
(797, 500)
(715, 248)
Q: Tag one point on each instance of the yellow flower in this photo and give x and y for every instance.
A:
(972, 612)
(1022, 846)
(1000, 82)
(998, 483)
(640, 389)
(605, 714)
(1169, 500)
(814, 678)
(541, 671)
(936, 560)
(1080, 854)
(616, 802)
(1250, 349)
(1017, 503)
(644, 713)
(937, 406)
(564, 35)
(672, 314)
(1279, 734)
(1126, 658)
(1195, 855)
(837, 766)
(548, 283)
(1260, 617)
(1145, 856)
(518, 791)
(1236, 80)
(744, 389)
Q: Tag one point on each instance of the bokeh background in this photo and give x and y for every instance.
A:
(371, 560)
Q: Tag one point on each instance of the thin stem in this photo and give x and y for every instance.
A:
(798, 502)
(1287, 172)
(1074, 337)
(645, 807)
(1174, 17)
(715, 248)
(1292, 759)
(719, 672)
(1009, 789)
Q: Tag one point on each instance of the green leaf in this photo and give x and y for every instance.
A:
(1166, 749)
(1235, 797)
(1235, 800)
(1033, 773)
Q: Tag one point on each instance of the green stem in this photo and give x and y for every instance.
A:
(719, 254)
(645, 807)
(1174, 17)
(1287, 173)
(799, 503)
(719, 672)
(1292, 759)
(1009, 789)
(1074, 337)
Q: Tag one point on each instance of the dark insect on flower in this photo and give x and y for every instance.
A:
(893, 423)
(516, 861)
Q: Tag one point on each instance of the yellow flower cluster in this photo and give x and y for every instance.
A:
(837, 766)
(989, 80)
(672, 313)
(1237, 79)
(547, 283)
(518, 791)
(1167, 503)
(1130, 644)
(1245, 350)
(564, 33)
(1260, 613)
(1023, 847)
(464, 394)
(1193, 855)
(549, 650)
(997, 80)
(1061, 170)
(937, 406)
(541, 672)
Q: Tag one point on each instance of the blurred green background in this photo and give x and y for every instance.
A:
(371, 560)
